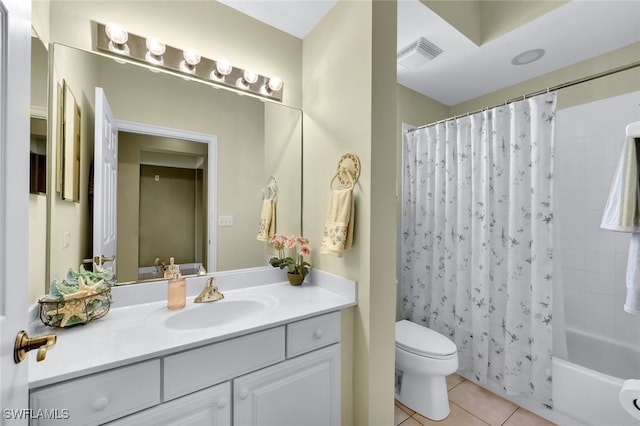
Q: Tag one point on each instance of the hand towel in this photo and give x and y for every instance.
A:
(622, 211)
(338, 229)
(267, 227)
(632, 302)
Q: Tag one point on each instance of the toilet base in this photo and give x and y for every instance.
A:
(425, 395)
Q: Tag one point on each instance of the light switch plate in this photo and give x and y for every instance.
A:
(225, 220)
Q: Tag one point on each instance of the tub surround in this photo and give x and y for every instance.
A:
(133, 330)
(586, 386)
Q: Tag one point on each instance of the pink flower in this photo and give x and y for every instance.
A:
(303, 241)
(305, 251)
(276, 241)
(289, 241)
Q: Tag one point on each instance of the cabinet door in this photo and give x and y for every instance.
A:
(209, 407)
(301, 391)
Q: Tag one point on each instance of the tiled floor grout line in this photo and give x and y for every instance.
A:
(510, 415)
(470, 413)
(456, 385)
(411, 417)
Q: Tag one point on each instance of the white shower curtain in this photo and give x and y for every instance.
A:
(477, 246)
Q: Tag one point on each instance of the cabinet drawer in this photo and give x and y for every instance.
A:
(313, 333)
(101, 397)
(200, 368)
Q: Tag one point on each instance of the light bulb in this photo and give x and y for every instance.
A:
(250, 76)
(223, 67)
(116, 33)
(275, 84)
(191, 57)
(155, 46)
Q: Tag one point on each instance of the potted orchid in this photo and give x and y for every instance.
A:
(297, 267)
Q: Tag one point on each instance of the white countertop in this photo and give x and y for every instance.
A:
(134, 331)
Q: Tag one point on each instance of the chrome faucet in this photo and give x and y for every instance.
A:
(210, 293)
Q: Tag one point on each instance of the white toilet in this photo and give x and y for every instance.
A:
(424, 357)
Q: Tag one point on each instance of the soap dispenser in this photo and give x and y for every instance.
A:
(176, 292)
(172, 269)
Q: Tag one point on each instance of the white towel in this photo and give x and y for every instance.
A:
(267, 226)
(622, 212)
(338, 229)
(632, 302)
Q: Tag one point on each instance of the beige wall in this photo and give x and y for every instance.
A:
(65, 216)
(40, 19)
(282, 160)
(483, 20)
(39, 74)
(356, 113)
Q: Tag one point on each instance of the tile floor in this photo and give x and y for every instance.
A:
(472, 405)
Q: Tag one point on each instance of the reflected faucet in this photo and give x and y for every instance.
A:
(160, 267)
(210, 293)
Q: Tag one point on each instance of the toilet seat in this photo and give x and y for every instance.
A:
(422, 341)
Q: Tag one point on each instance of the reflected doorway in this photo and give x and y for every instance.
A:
(171, 218)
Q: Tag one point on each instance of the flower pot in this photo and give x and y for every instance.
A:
(294, 278)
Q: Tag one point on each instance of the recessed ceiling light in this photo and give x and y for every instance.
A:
(528, 57)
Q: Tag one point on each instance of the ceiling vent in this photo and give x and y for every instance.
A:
(418, 53)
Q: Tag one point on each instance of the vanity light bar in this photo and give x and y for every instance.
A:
(114, 40)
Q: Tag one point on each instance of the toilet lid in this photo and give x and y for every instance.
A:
(422, 341)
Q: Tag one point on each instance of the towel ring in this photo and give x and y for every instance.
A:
(271, 191)
(348, 171)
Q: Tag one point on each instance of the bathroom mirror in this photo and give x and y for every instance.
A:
(254, 140)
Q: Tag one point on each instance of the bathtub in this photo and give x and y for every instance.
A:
(586, 387)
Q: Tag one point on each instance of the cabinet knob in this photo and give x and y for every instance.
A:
(244, 394)
(222, 402)
(318, 334)
(100, 403)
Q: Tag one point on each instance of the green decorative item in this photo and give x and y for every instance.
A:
(81, 297)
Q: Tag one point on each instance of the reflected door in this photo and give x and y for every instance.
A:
(105, 182)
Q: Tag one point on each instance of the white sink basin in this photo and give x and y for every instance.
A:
(233, 308)
(213, 314)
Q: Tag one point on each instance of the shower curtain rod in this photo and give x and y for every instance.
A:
(539, 92)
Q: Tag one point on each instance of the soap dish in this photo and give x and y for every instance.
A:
(81, 310)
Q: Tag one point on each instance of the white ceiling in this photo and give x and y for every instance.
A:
(569, 34)
(296, 17)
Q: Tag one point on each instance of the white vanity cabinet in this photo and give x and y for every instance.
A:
(285, 375)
